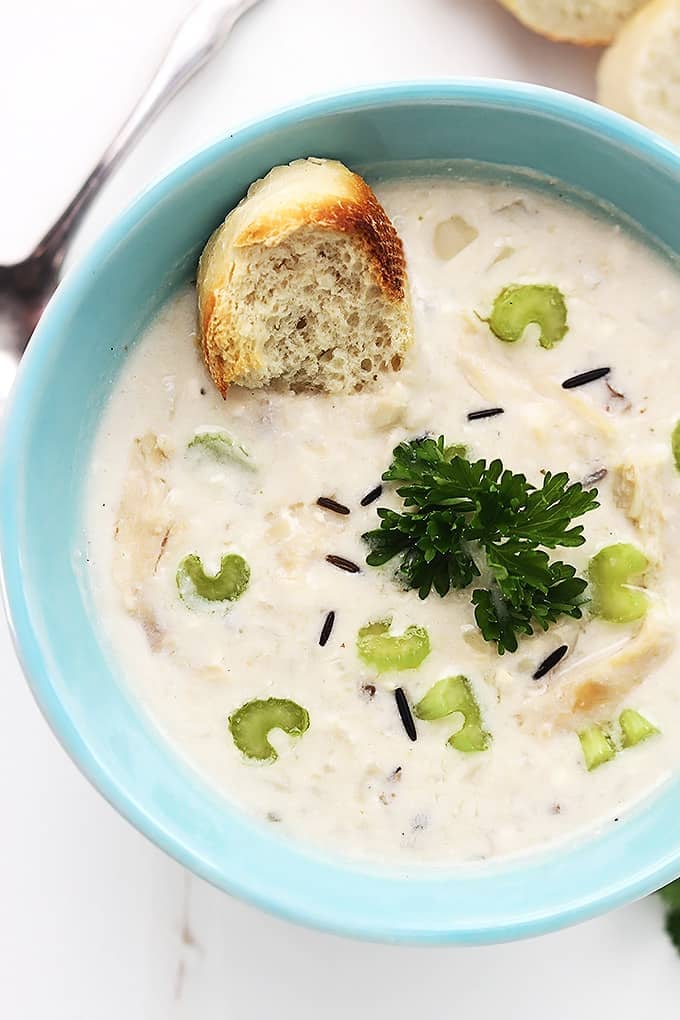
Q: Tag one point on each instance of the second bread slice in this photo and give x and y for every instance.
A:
(586, 22)
(640, 74)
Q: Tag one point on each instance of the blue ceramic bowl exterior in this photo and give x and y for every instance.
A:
(64, 382)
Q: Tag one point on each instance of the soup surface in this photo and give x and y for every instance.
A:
(353, 782)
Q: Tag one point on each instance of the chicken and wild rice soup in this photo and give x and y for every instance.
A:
(434, 621)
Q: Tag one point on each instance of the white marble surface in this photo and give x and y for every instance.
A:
(96, 923)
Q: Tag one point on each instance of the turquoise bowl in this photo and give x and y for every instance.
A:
(64, 382)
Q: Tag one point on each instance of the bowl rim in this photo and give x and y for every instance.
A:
(633, 882)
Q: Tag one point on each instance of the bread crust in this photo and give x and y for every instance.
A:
(360, 215)
(564, 37)
(351, 209)
(224, 361)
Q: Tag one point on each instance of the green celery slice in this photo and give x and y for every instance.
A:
(518, 305)
(251, 724)
(675, 445)
(597, 746)
(634, 728)
(227, 585)
(454, 694)
(471, 738)
(384, 651)
(221, 447)
(611, 572)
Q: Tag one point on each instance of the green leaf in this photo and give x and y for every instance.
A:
(460, 516)
(670, 894)
(673, 927)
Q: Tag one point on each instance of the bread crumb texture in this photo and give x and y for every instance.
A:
(586, 22)
(304, 285)
(639, 75)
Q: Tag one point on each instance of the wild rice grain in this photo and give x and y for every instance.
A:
(550, 661)
(489, 412)
(371, 496)
(327, 628)
(332, 504)
(342, 564)
(405, 713)
(585, 377)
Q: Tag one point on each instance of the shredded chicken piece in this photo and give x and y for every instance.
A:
(295, 531)
(590, 691)
(503, 682)
(391, 410)
(493, 383)
(637, 492)
(142, 529)
(150, 625)
(475, 372)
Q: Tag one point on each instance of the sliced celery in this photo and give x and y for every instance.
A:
(251, 724)
(612, 572)
(518, 305)
(634, 728)
(675, 445)
(384, 651)
(597, 746)
(221, 446)
(227, 585)
(472, 737)
(454, 694)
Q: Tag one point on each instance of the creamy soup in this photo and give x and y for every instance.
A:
(349, 777)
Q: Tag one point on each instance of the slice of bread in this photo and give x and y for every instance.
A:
(640, 75)
(586, 22)
(304, 285)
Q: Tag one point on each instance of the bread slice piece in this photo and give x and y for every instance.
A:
(586, 22)
(304, 285)
(640, 75)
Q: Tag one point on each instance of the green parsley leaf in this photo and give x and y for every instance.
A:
(670, 894)
(673, 927)
(465, 522)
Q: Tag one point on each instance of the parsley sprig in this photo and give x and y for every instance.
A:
(670, 894)
(467, 521)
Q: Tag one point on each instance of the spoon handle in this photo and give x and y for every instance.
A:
(200, 35)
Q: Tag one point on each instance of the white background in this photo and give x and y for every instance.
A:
(97, 924)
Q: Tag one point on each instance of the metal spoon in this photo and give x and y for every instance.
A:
(25, 288)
